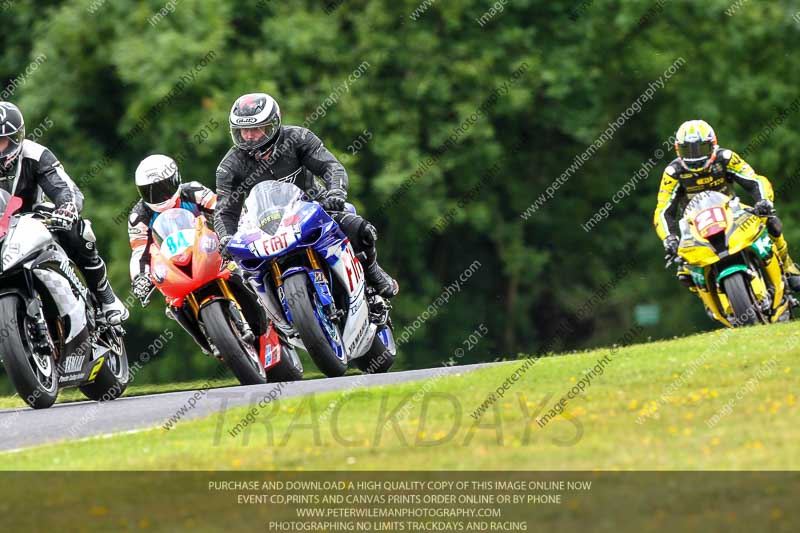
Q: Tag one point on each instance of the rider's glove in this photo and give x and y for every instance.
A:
(763, 208)
(141, 287)
(65, 216)
(223, 247)
(334, 200)
(671, 248)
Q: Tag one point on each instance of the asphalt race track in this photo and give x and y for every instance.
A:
(24, 427)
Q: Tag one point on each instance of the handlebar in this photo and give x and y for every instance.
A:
(752, 211)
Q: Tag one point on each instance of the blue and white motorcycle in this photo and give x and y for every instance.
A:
(312, 284)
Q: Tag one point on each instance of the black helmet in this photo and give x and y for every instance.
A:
(12, 133)
(255, 123)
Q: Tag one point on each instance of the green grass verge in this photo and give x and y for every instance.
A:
(650, 409)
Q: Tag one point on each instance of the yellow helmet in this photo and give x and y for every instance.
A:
(696, 145)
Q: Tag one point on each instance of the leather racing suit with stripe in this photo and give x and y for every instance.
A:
(41, 174)
(679, 185)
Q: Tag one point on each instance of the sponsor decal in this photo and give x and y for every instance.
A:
(246, 120)
(66, 269)
(209, 244)
(358, 338)
(74, 363)
(275, 244)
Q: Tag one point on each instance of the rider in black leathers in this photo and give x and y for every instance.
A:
(31, 171)
(263, 150)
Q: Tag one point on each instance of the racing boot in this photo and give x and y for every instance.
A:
(789, 266)
(379, 280)
(111, 307)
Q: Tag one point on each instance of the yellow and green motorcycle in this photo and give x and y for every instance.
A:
(729, 262)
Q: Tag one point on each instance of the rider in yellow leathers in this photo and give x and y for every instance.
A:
(702, 165)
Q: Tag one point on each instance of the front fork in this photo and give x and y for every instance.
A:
(321, 283)
(235, 310)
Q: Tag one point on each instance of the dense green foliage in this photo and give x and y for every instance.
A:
(111, 87)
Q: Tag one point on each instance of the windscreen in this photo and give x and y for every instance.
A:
(703, 201)
(267, 203)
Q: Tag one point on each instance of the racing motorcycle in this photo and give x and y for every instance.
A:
(213, 304)
(311, 282)
(729, 255)
(53, 334)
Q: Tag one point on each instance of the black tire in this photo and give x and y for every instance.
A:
(745, 310)
(114, 375)
(17, 356)
(289, 369)
(306, 324)
(233, 349)
(378, 360)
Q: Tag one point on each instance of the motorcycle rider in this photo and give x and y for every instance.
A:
(702, 165)
(159, 183)
(31, 171)
(265, 149)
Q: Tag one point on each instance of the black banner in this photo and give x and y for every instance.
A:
(400, 501)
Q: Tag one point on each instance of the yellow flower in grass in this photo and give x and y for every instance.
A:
(790, 400)
(633, 404)
(578, 411)
(672, 430)
(715, 441)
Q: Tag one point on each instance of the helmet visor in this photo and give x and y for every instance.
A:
(10, 146)
(161, 190)
(252, 137)
(695, 153)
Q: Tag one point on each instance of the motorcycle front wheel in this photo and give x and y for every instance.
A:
(34, 375)
(322, 339)
(241, 357)
(745, 310)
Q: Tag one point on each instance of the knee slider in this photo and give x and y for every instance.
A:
(368, 233)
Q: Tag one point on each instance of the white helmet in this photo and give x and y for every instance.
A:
(159, 182)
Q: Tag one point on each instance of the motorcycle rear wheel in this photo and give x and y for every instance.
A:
(290, 368)
(114, 375)
(380, 358)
